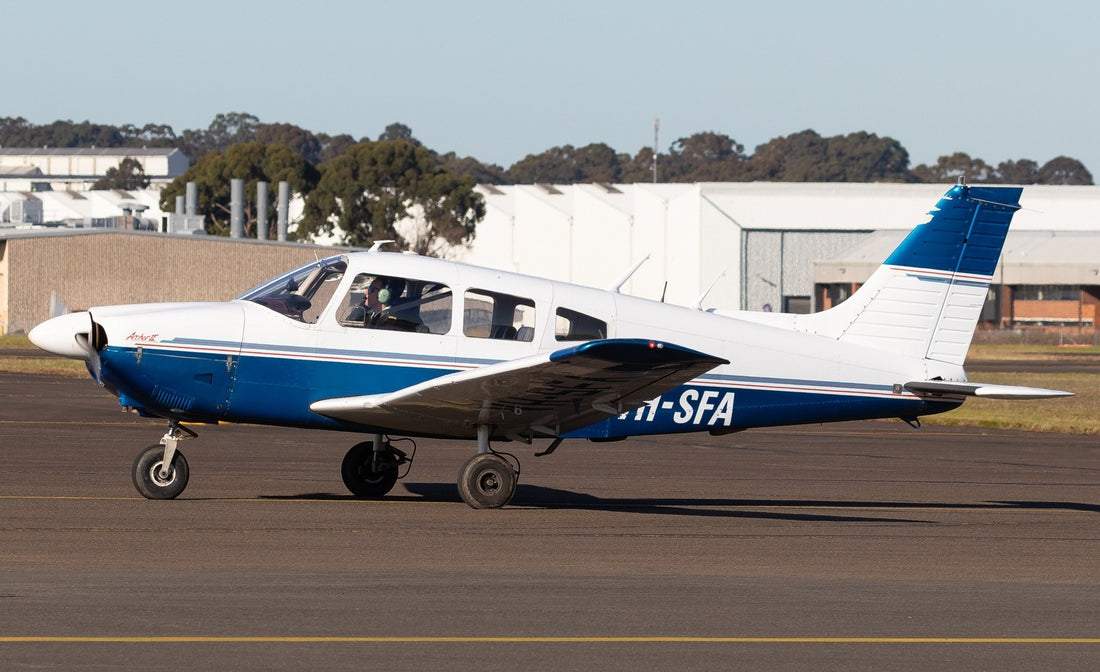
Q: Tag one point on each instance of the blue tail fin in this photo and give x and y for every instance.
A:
(927, 297)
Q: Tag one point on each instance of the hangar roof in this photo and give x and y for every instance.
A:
(87, 151)
(833, 206)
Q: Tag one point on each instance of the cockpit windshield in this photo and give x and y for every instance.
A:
(300, 294)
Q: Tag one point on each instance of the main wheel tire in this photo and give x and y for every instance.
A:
(486, 481)
(360, 478)
(147, 478)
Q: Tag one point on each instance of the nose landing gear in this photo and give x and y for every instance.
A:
(160, 471)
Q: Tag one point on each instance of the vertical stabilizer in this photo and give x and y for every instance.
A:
(927, 297)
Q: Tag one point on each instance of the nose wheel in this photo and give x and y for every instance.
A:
(155, 482)
(160, 471)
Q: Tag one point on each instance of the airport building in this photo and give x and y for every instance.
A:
(781, 246)
(78, 168)
(754, 246)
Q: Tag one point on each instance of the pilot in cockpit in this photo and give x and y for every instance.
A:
(377, 309)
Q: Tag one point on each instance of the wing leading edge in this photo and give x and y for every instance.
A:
(542, 395)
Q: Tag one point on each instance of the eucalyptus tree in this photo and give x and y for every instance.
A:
(363, 194)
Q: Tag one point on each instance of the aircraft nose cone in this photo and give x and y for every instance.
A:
(67, 335)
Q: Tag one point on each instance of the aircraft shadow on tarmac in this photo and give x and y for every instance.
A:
(534, 496)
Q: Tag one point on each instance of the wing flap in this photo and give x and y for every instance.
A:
(985, 390)
(546, 394)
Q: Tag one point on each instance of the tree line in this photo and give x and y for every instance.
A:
(358, 189)
(703, 157)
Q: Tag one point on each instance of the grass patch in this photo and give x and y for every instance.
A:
(46, 366)
(1031, 353)
(16, 342)
(27, 362)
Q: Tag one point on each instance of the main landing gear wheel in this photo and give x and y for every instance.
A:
(149, 480)
(370, 475)
(486, 481)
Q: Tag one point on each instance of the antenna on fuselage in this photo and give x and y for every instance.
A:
(378, 245)
(618, 284)
(699, 302)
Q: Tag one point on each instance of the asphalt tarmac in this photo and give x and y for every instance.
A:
(856, 546)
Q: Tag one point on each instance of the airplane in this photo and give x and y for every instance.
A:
(398, 345)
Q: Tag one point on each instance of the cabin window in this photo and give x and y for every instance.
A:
(397, 304)
(303, 293)
(570, 325)
(489, 314)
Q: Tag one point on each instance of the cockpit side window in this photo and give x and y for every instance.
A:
(489, 314)
(301, 294)
(396, 303)
(570, 325)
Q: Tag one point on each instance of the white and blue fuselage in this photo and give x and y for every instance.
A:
(242, 361)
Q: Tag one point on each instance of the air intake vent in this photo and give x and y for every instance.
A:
(172, 400)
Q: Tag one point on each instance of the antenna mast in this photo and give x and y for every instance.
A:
(656, 125)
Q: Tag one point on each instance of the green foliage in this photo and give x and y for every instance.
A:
(468, 166)
(596, 162)
(129, 175)
(1023, 171)
(1064, 170)
(18, 132)
(701, 157)
(639, 168)
(253, 162)
(951, 168)
(808, 157)
(398, 131)
(364, 192)
(1059, 170)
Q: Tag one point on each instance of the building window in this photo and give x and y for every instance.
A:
(1046, 293)
(796, 304)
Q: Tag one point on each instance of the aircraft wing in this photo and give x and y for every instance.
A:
(983, 390)
(542, 395)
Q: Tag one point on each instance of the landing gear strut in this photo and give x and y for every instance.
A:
(370, 468)
(160, 471)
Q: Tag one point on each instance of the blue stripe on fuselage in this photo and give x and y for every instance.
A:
(278, 390)
(692, 408)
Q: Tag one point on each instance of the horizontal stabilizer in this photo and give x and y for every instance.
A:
(546, 395)
(983, 390)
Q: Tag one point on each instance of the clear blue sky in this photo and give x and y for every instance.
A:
(500, 80)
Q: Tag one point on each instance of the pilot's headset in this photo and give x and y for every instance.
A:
(391, 289)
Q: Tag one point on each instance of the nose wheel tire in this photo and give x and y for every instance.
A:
(367, 477)
(148, 478)
(486, 481)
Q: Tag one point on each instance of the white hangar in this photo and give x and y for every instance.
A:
(77, 168)
(763, 246)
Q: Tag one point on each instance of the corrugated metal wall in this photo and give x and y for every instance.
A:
(779, 264)
(119, 267)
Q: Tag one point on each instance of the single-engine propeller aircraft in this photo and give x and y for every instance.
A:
(391, 344)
